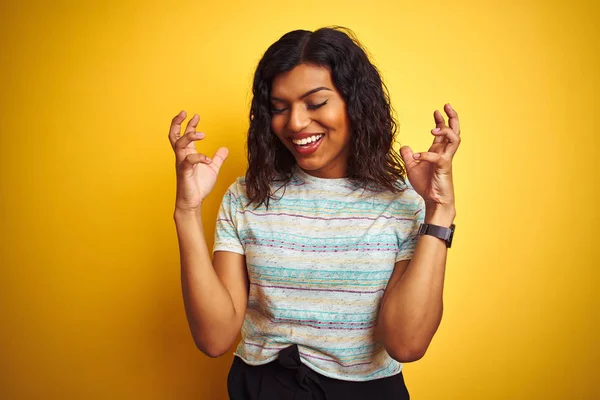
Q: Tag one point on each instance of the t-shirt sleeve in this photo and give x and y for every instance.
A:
(227, 237)
(410, 228)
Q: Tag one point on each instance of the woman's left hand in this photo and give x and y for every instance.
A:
(430, 173)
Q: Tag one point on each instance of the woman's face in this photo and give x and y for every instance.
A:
(309, 117)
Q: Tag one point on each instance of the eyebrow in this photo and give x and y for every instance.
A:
(315, 90)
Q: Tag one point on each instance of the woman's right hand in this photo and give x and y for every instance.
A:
(196, 173)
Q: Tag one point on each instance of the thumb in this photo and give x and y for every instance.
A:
(220, 156)
(407, 155)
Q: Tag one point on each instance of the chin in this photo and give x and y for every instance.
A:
(308, 165)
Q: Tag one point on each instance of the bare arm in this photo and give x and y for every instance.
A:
(412, 305)
(215, 293)
(411, 309)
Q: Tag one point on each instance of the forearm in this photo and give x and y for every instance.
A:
(208, 304)
(412, 309)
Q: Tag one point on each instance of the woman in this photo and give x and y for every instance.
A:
(329, 262)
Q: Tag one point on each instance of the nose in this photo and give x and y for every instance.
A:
(299, 119)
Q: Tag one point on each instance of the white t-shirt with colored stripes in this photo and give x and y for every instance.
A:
(319, 259)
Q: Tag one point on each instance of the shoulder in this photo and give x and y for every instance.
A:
(238, 187)
(236, 190)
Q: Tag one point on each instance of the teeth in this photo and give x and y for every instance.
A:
(301, 142)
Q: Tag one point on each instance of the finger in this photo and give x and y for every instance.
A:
(196, 158)
(190, 133)
(439, 119)
(192, 124)
(175, 128)
(186, 139)
(433, 158)
(452, 118)
(451, 139)
(453, 142)
(441, 132)
(439, 141)
(439, 124)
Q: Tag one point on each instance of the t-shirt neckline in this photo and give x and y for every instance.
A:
(308, 178)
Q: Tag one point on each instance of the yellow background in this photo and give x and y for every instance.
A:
(90, 300)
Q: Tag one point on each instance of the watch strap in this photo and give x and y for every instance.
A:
(441, 232)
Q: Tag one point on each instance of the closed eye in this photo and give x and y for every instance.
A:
(315, 106)
(277, 110)
(309, 106)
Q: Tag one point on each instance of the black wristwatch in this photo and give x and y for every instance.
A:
(446, 234)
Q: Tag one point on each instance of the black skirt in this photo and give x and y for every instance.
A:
(287, 378)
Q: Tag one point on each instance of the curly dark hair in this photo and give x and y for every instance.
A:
(373, 162)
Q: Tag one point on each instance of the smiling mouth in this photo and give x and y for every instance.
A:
(309, 145)
(307, 142)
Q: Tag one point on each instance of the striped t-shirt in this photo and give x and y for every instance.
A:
(319, 259)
